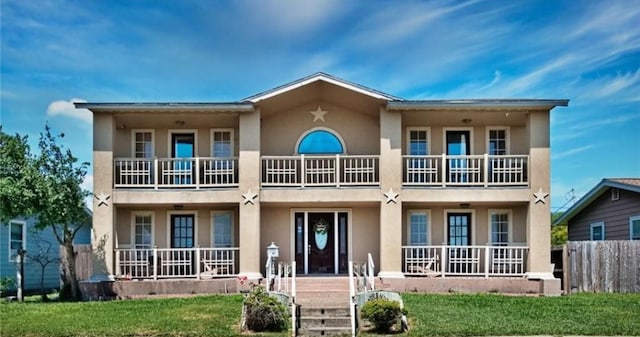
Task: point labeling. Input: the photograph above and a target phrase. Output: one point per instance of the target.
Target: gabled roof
(629, 184)
(320, 76)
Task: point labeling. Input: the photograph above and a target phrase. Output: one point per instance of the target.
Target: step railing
(487, 261)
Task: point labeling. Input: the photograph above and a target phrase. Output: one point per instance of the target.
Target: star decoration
(540, 196)
(249, 197)
(318, 114)
(102, 199)
(391, 196)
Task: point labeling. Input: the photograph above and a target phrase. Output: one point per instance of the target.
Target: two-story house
(330, 171)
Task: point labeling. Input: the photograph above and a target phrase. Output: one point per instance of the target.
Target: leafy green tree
(46, 185)
(559, 232)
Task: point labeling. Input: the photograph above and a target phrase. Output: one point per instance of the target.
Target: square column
(539, 217)
(249, 185)
(102, 238)
(391, 202)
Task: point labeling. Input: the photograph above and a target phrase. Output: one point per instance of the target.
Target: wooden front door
(321, 242)
(321, 245)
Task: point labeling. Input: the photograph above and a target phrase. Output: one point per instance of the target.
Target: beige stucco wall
(281, 130)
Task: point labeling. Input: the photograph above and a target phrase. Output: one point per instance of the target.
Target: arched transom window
(320, 141)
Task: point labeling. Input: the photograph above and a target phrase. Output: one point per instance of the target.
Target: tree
(46, 185)
(43, 258)
(559, 232)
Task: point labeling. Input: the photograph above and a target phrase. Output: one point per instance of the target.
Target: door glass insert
(459, 229)
(183, 147)
(458, 144)
(182, 231)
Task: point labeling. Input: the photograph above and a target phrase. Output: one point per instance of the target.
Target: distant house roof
(629, 184)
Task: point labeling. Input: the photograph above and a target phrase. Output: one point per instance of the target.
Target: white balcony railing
(464, 260)
(476, 170)
(302, 171)
(155, 263)
(198, 172)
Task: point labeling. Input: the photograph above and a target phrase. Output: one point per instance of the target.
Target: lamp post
(273, 252)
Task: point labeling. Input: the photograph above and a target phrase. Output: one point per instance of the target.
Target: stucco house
(609, 211)
(21, 232)
(330, 171)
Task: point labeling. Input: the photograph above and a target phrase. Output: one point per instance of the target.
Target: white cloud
(572, 152)
(87, 184)
(66, 108)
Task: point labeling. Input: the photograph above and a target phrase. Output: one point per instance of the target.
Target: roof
(320, 76)
(629, 184)
(167, 106)
(465, 103)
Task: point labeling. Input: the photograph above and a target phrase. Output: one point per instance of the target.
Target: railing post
(198, 262)
(156, 172)
(443, 259)
(443, 170)
(197, 173)
(337, 170)
(303, 170)
(486, 170)
(486, 261)
(117, 262)
(155, 262)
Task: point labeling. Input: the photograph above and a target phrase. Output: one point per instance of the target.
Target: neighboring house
(330, 171)
(21, 232)
(609, 211)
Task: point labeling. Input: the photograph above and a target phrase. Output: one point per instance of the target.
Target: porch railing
(477, 170)
(155, 263)
(464, 260)
(157, 173)
(302, 171)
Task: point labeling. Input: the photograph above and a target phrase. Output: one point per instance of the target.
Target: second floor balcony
(323, 171)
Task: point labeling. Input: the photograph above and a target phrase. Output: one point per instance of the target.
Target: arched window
(320, 141)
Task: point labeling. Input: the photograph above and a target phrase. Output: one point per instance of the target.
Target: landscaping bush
(264, 312)
(382, 313)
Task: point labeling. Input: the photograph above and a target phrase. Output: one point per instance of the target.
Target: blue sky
(54, 52)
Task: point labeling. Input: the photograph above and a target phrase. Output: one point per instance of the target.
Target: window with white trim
(143, 143)
(143, 230)
(499, 225)
(222, 143)
(497, 142)
(418, 142)
(634, 227)
(17, 238)
(597, 231)
(222, 229)
(615, 194)
(418, 228)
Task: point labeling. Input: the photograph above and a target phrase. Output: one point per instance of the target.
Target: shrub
(382, 313)
(5, 284)
(264, 312)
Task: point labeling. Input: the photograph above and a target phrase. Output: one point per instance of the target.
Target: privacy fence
(84, 263)
(602, 266)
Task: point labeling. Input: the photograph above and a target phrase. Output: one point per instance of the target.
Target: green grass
(429, 315)
(492, 315)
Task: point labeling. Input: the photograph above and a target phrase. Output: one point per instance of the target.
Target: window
(418, 228)
(615, 194)
(222, 143)
(418, 141)
(634, 227)
(497, 141)
(143, 230)
(143, 143)
(320, 141)
(222, 229)
(499, 222)
(597, 231)
(17, 238)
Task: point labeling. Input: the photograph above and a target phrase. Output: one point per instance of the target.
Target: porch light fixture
(466, 121)
(464, 205)
(178, 206)
(181, 123)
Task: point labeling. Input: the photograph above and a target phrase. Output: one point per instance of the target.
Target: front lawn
(429, 315)
(498, 315)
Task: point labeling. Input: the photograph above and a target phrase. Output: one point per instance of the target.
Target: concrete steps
(324, 306)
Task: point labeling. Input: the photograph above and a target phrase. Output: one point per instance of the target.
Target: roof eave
(204, 107)
(476, 103)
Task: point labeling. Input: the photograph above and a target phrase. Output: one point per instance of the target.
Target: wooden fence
(84, 262)
(602, 266)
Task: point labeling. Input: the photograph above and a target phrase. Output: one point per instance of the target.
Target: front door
(182, 236)
(183, 146)
(461, 259)
(321, 242)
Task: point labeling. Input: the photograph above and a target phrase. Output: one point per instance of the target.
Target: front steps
(324, 306)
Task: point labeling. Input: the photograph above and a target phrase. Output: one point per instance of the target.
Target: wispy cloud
(571, 152)
(66, 108)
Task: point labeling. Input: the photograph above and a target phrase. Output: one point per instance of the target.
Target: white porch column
(102, 239)
(539, 217)
(249, 185)
(390, 186)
